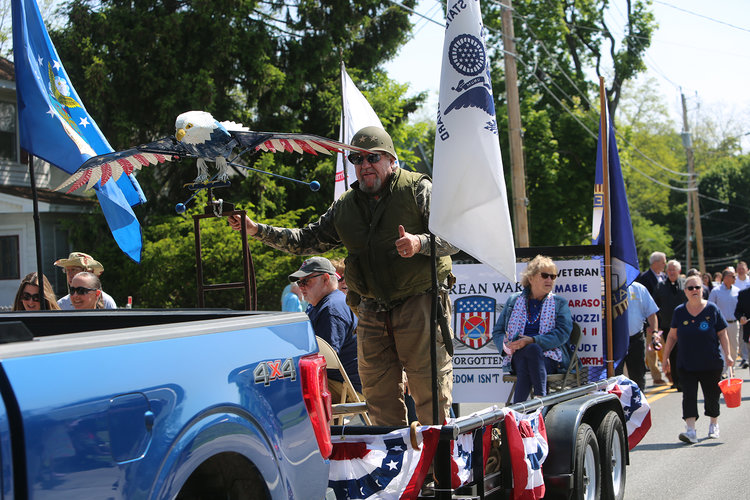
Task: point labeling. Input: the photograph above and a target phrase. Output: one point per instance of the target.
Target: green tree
(557, 44)
(270, 65)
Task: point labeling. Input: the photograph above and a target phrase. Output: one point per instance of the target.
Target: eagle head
(195, 127)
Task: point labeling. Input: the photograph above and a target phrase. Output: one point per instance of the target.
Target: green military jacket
(368, 228)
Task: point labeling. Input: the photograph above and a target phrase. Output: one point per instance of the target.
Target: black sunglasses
(691, 288)
(548, 275)
(28, 296)
(306, 281)
(357, 158)
(81, 290)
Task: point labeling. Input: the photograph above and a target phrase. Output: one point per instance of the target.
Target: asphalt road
(662, 466)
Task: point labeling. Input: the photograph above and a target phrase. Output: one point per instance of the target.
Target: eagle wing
(112, 165)
(275, 142)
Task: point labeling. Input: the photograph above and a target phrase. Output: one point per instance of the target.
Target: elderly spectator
(725, 297)
(669, 294)
(79, 262)
(641, 308)
(86, 291)
(698, 327)
(655, 273)
(28, 298)
(383, 223)
(332, 320)
(533, 329)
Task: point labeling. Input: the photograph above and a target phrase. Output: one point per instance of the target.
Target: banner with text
(479, 296)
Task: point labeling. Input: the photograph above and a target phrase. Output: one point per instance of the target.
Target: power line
(703, 16)
(559, 101)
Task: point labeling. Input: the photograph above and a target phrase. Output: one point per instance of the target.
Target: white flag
(469, 203)
(357, 114)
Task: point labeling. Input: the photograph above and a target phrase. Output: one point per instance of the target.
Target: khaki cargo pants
(391, 344)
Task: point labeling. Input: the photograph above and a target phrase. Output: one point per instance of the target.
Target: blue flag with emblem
(55, 126)
(623, 251)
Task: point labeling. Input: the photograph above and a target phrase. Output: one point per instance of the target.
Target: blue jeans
(531, 367)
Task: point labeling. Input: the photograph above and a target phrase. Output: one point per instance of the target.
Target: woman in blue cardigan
(533, 329)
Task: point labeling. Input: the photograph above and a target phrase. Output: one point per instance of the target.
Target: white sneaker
(689, 436)
(713, 431)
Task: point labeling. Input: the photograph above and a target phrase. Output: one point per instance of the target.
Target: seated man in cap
(332, 320)
(78, 262)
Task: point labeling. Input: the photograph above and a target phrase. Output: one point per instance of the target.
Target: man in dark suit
(649, 279)
(655, 273)
(742, 313)
(669, 294)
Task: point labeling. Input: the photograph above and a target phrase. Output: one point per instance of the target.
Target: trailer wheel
(611, 437)
(586, 474)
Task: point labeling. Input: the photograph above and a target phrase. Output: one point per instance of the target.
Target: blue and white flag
(356, 114)
(635, 407)
(624, 255)
(528, 449)
(469, 206)
(387, 466)
(55, 126)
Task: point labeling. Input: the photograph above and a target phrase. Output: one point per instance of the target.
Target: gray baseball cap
(313, 265)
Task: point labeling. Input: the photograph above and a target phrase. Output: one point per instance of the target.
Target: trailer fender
(561, 422)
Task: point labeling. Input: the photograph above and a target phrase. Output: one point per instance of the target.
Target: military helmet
(374, 139)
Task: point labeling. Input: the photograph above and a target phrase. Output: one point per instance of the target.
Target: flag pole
(603, 127)
(37, 234)
(436, 420)
(343, 122)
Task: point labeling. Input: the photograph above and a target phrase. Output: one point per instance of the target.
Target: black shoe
(744, 364)
(677, 388)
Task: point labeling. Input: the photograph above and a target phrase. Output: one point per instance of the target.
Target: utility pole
(518, 172)
(687, 143)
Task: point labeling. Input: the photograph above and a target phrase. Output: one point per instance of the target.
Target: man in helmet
(382, 221)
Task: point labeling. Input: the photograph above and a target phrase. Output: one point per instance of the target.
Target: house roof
(7, 70)
(48, 196)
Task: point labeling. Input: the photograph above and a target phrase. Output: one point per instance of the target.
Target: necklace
(529, 319)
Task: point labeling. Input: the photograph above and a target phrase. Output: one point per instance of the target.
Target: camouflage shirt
(321, 235)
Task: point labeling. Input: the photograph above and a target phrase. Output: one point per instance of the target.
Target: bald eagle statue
(198, 135)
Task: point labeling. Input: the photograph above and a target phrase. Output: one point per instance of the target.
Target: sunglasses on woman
(27, 296)
(357, 158)
(553, 277)
(691, 288)
(81, 290)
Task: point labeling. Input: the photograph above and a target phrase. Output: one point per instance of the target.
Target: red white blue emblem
(473, 321)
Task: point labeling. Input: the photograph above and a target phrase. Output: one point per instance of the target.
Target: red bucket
(731, 388)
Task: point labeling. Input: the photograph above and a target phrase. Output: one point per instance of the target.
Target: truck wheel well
(227, 475)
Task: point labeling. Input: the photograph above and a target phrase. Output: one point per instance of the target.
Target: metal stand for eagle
(219, 208)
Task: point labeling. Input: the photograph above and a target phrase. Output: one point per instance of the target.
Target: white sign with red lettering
(479, 296)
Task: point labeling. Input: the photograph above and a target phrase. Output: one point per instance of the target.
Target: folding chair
(348, 394)
(558, 381)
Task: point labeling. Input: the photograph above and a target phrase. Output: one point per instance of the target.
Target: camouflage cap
(374, 139)
(311, 266)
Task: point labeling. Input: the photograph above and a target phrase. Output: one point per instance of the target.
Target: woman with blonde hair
(533, 329)
(28, 298)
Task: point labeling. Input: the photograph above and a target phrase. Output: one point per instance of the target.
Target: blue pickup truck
(186, 404)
